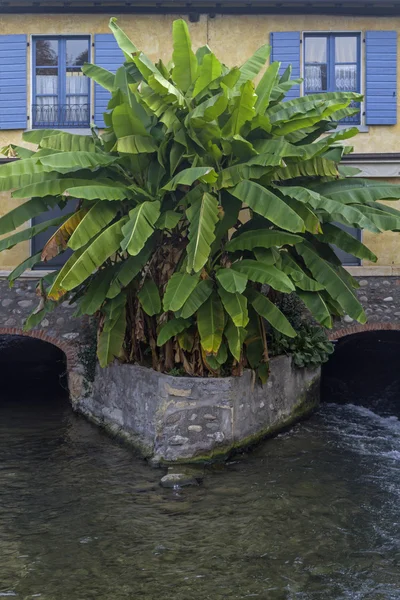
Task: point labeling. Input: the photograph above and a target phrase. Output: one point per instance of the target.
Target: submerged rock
(178, 479)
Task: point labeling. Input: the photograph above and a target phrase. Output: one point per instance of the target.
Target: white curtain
(345, 78)
(76, 111)
(313, 80)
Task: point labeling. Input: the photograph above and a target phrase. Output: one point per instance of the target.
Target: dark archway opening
(31, 369)
(365, 370)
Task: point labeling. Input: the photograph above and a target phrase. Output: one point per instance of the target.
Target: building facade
(352, 46)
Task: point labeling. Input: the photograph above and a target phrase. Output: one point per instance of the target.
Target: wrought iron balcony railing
(60, 115)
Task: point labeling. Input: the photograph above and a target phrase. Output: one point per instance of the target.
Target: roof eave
(342, 7)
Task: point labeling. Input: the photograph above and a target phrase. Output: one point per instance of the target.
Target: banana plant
(205, 197)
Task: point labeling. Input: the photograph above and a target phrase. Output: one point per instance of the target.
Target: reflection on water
(312, 514)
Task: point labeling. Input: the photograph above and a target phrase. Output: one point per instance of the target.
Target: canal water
(312, 514)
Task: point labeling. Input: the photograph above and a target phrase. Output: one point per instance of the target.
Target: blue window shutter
(109, 56)
(381, 78)
(13, 82)
(286, 49)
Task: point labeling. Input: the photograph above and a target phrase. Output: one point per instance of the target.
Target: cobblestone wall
(17, 303)
(380, 297)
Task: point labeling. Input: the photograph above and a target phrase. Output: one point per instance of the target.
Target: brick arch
(68, 349)
(353, 329)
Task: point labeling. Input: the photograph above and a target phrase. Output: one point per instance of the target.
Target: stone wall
(17, 303)
(182, 419)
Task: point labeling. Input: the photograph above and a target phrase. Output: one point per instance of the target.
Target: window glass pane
(46, 52)
(346, 49)
(77, 52)
(316, 49)
(346, 78)
(47, 81)
(77, 83)
(316, 79)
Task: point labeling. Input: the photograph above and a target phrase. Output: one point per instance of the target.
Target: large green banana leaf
(110, 341)
(136, 144)
(56, 290)
(126, 45)
(252, 67)
(198, 296)
(243, 110)
(28, 166)
(149, 298)
(323, 272)
(140, 226)
(189, 176)
(317, 307)
(96, 291)
(344, 213)
(184, 72)
(178, 290)
(264, 88)
(19, 215)
(235, 337)
(297, 275)
(69, 142)
(262, 273)
(271, 313)
(98, 217)
(54, 187)
(232, 281)
(334, 235)
(235, 305)
(127, 122)
(104, 246)
(99, 192)
(358, 191)
(170, 329)
(209, 70)
(19, 181)
(210, 323)
(66, 162)
(265, 203)
(202, 215)
(29, 233)
(127, 271)
(28, 263)
(101, 76)
(262, 238)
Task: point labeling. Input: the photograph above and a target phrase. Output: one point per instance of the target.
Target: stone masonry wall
(380, 297)
(181, 419)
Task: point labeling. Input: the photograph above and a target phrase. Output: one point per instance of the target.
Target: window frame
(330, 36)
(62, 87)
(360, 63)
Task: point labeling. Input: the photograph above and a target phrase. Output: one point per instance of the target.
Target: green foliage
(310, 347)
(161, 253)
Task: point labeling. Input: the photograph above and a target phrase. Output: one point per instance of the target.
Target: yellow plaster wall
(233, 39)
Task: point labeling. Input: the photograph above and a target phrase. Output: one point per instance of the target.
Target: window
(332, 64)
(60, 90)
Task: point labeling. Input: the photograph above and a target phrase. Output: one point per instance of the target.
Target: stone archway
(75, 369)
(365, 368)
(353, 329)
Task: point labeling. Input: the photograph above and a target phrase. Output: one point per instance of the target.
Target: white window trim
(362, 128)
